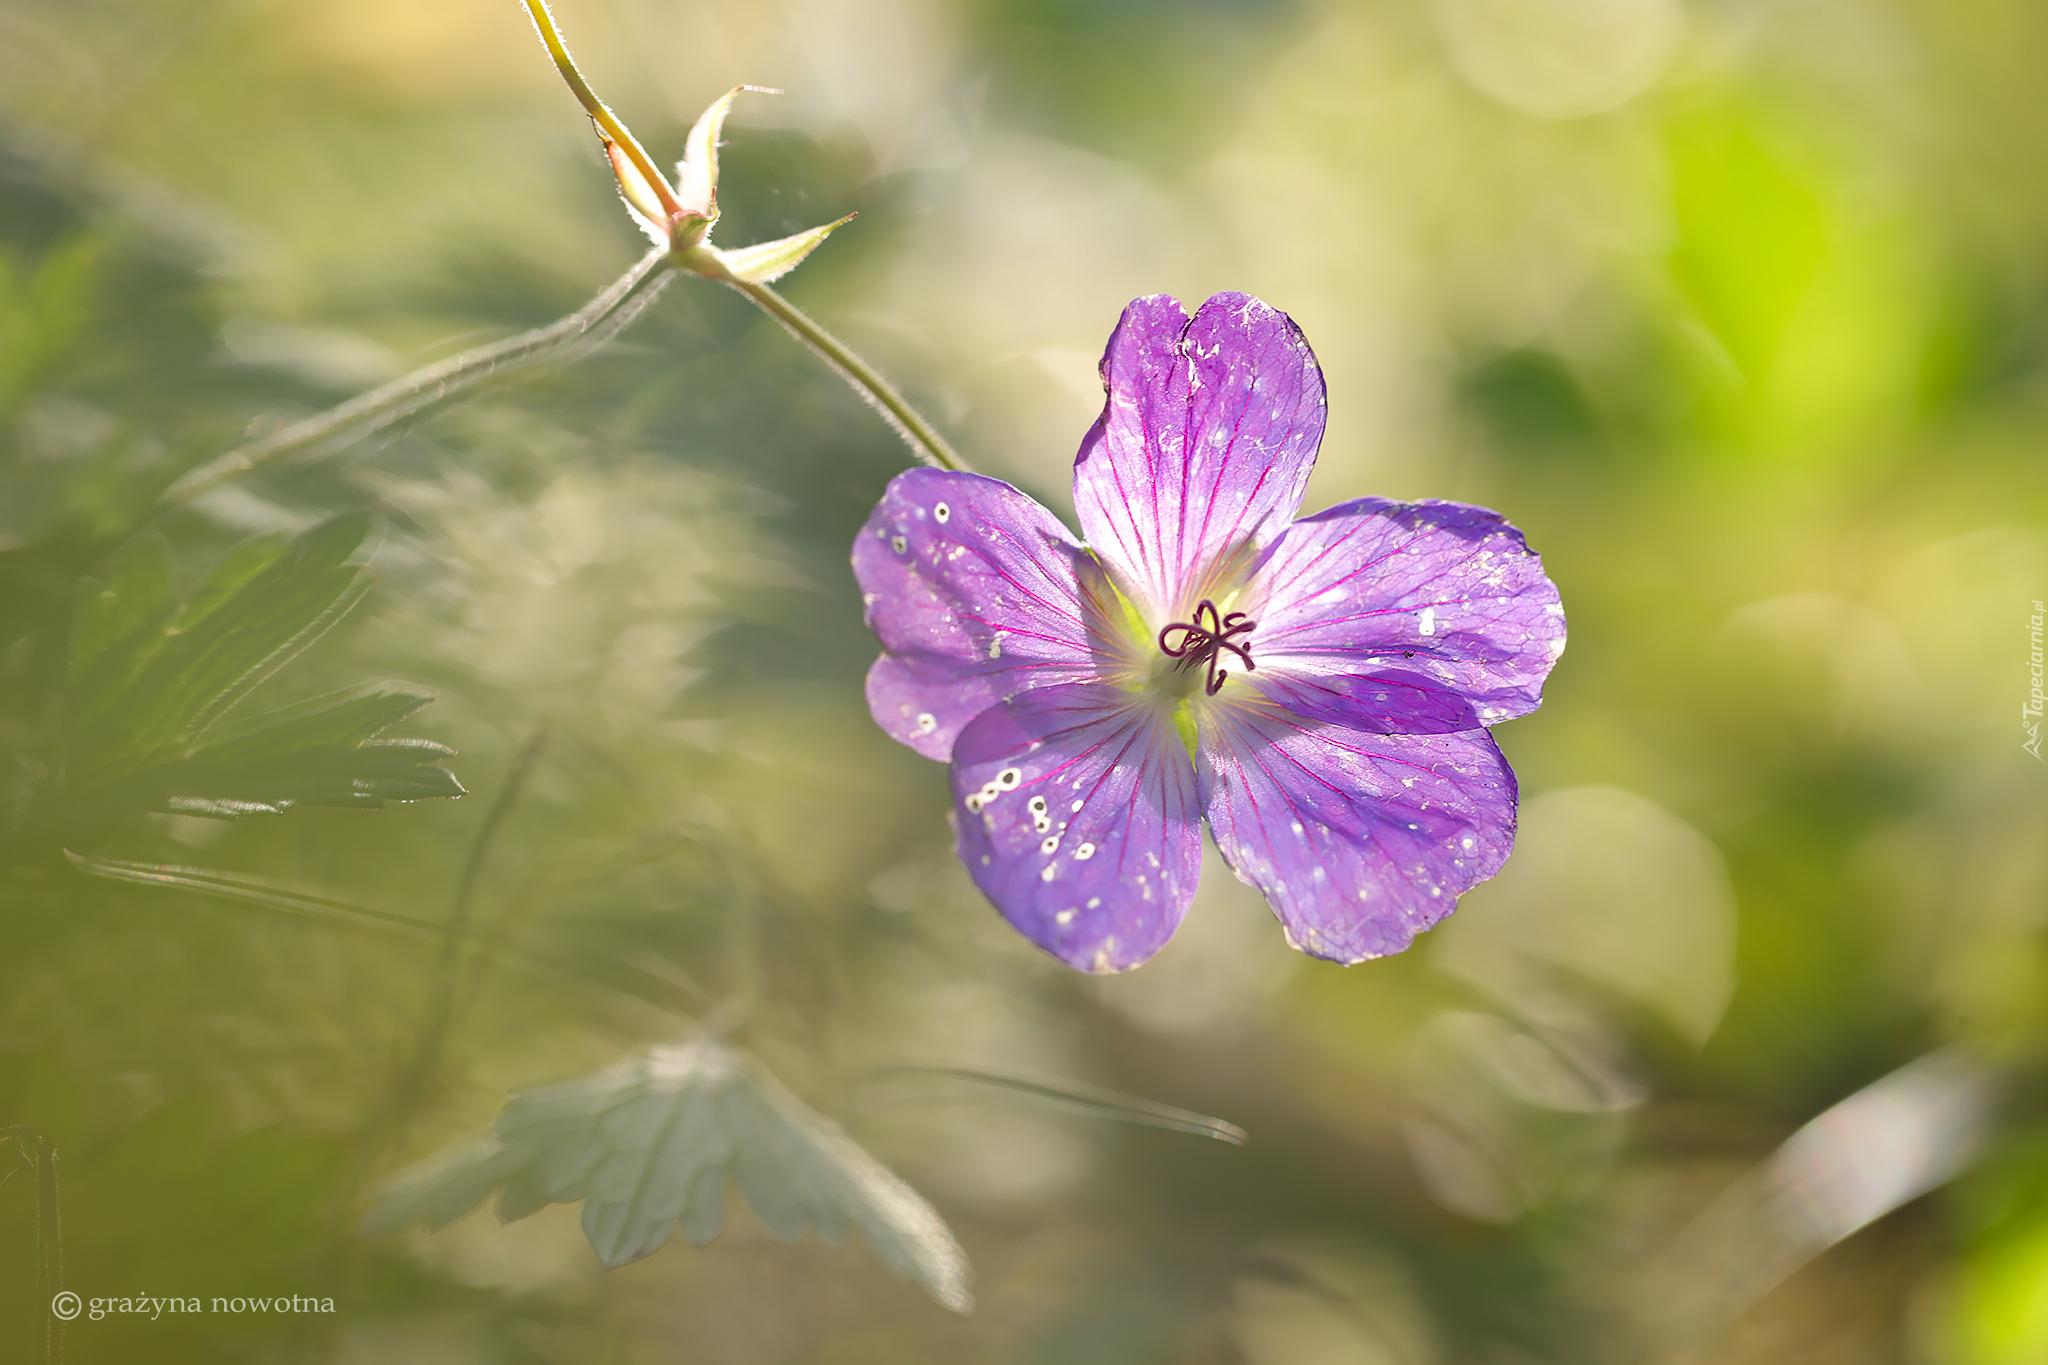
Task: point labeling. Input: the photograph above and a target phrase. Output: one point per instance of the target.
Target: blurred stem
(608, 125)
(661, 992)
(48, 1332)
(585, 329)
(742, 944)
(922, 437)
(1082, 1099)
(441, 987)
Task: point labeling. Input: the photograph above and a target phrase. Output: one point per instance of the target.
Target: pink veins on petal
(1319, 690)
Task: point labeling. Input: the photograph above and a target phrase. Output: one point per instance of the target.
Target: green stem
(583, 330)
(744, 978)
(442, 985)
(922, 437)
(663, 992)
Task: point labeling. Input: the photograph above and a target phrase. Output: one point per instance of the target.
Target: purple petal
(1394, 702)
(1409, 608)
(926, 704)
(1359, 841)
(1074, 811)
(977, 593)
(1208, 434)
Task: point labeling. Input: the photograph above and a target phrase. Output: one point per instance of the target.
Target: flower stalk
(582, 331)
(918, 433)
(679, 219)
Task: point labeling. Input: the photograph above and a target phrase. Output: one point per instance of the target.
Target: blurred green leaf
(43, 312)
(651, 1142)
(150, 684)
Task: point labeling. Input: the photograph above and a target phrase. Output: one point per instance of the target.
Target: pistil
(1203, 640)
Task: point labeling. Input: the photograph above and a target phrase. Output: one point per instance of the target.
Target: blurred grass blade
(1880, 1148)
(1080, 1099)
(558, 343)
(270, 895)
(652, 1142)
(304, 903)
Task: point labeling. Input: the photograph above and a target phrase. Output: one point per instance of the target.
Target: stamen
(1203, 640)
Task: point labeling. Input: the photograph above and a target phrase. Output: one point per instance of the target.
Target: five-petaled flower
(1319, 689)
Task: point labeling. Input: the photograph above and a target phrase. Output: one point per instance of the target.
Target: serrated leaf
(151, 687)
(349, 717)
(656, 1139)
(768, 261)
(261, 605)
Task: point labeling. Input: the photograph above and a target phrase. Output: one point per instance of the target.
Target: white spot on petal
(1050, 870)
(942, 513)
(898, 544)
(1008, 778)
(1427, 625)
(926, 722)
(1064, 917)
(1083, 852)
(1050, 846)
(995, 646)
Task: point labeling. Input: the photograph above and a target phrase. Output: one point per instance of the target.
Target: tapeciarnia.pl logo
(2030, 714)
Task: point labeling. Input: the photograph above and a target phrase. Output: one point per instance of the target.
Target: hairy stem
(569, 338)
(922, 437)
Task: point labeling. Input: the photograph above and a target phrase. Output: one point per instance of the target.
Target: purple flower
(1318, 689)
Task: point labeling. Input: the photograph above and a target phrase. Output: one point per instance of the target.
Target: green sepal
(772, 260)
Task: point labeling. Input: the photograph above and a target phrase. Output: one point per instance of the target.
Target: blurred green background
(1738, 308)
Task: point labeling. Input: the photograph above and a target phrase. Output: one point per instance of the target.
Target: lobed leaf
(652, 1142)
(151, 686)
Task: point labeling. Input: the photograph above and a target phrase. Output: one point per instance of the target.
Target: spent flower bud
(678, 216)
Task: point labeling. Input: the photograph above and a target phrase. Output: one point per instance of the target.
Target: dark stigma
(1203, 640)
